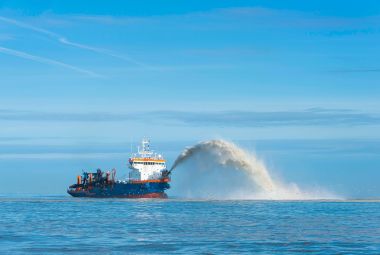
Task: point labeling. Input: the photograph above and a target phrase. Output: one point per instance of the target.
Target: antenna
(131, 144)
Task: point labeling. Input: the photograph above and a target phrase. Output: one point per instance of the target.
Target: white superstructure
(146, 165)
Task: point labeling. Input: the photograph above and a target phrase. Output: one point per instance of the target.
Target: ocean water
(65, 225)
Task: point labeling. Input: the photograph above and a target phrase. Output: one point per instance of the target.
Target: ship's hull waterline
(123, 190)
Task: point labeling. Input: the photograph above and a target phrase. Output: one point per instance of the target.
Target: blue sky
(201, 58)
(79, 72)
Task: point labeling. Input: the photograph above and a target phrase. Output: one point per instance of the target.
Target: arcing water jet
(222, 170)
(229, 155)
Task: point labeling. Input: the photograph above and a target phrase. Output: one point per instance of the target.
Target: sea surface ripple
(64, 225)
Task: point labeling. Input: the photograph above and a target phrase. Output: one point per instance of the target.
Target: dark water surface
(63, 225)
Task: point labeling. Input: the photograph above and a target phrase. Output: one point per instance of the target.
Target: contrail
(100, 50)
(64, 40)
(27, 26)
(48, 61)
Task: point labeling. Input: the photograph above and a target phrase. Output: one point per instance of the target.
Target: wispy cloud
(18, 115)
(287, 18)
(27, 26)
(364, 70)
(56, 156)
(232, 17)
(63, 40)
(6, 37)
(47, 61)
(307, 117)
(101, 51)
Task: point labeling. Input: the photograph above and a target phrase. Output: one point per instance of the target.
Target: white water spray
(254, 183)
(229, 155)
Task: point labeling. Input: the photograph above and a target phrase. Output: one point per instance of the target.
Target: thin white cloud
(6, 37)
(27, 26)
(47, 156)
(232, 17)
(66, 41)
(101, 51)
(47, 61)
(307, 117)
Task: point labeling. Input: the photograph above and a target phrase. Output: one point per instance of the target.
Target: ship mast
(145, 152)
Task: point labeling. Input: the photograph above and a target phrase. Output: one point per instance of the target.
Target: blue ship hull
(121, 190)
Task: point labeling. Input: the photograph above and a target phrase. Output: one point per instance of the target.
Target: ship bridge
(146, 165)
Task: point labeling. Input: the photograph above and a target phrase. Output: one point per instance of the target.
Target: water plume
(229, 155)
(222, 170)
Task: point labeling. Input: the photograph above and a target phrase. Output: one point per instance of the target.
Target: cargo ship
(148, 178)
